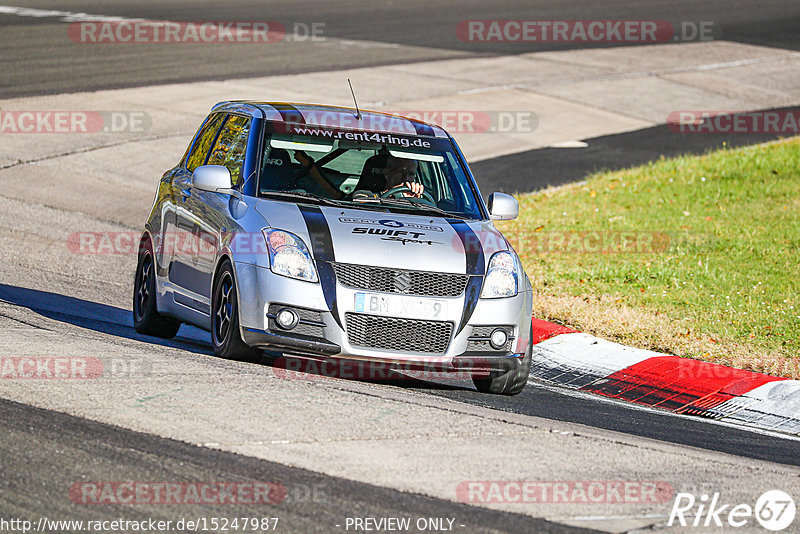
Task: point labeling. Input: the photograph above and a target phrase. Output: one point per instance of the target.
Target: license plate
(400, 306)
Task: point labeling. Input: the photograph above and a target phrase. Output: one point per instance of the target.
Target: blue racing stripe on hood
(476, 268)
(322, 250)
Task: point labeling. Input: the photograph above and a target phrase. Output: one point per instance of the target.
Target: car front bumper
(261, 292)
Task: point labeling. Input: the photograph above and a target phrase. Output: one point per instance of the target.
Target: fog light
(498, 338)
(287, 319)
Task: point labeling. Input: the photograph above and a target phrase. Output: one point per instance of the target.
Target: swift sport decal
(390, 223)
(402, 236)
(405, 240)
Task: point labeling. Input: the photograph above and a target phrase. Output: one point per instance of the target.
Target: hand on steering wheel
(398, 192)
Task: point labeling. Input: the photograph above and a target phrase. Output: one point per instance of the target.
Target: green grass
(724, 262)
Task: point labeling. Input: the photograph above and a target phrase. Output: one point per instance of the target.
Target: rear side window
(231, 145)
(203, 141)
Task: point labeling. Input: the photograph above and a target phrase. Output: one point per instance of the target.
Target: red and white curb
(587, 363)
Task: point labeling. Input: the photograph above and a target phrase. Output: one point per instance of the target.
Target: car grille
(400, 281)
(391, 333)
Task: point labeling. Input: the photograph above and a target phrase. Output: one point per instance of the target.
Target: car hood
(401, 241)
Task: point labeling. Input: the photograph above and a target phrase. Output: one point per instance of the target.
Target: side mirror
(502, 207)
(212, 178)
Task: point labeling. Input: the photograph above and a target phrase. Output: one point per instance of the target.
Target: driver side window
(203, 141)
(229, 150)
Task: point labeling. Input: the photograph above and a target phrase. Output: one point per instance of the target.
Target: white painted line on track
(70, 16)
(64, 16)
(570, 144)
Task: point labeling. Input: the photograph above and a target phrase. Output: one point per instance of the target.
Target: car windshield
(358, 168)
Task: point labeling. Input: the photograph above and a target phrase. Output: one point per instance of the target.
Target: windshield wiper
(406, 203)
(401, 203)
(305, 195)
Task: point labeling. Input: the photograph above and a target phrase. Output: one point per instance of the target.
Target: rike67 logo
(775, 510)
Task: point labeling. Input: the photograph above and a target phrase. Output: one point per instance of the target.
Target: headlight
(501, 278)
(289, 256)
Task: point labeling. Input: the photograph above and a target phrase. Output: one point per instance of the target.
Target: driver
(402, 171)
(398, 171)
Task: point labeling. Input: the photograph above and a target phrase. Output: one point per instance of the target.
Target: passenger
(316, 173)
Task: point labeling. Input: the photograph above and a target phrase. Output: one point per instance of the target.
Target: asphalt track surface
(303, 501)
(38, 57)
(537, 399)
(551, 403)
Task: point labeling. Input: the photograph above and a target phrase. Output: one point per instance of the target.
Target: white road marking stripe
(64, 16)
(69, 16)
(570, 144)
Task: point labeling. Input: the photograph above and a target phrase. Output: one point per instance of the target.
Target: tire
(146, 319)
(508, 382)
(225, 335)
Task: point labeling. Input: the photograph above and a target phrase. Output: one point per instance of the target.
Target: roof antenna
(358, 113)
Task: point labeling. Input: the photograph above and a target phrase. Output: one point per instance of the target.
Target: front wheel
(146, 319)
(225, 335)
(508, 382)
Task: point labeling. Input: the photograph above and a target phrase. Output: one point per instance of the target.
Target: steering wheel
(397, 192)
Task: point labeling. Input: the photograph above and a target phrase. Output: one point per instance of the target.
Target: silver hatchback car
(329, 232)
